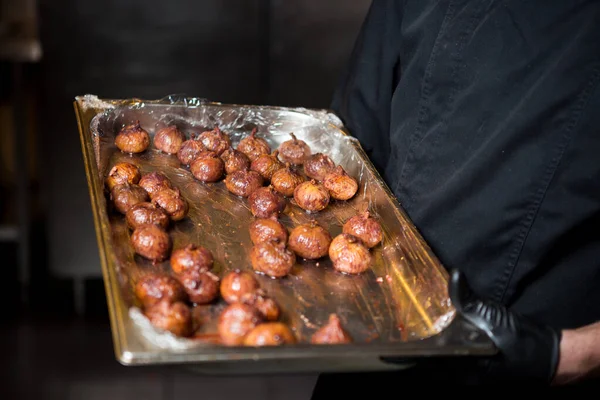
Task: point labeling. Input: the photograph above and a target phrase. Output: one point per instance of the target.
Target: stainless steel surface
(8, 233)
(400, 307)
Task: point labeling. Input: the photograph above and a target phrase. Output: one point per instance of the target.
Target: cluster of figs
(268, 180)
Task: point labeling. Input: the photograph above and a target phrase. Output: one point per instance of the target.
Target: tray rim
(465, 339)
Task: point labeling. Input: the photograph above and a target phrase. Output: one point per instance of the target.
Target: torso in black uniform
(484, 119)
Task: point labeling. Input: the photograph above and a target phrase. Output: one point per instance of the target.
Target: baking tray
(399, 308)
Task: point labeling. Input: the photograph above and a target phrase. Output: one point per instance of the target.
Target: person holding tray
(483, 117)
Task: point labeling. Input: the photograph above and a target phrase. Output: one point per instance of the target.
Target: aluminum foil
(402, 298)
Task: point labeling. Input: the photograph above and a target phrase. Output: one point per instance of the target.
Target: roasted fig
(153, 288)
(153, 182)
(123, 172)
(132, 139)
(341, 186)
(201, 287)
(171, 201)
(366, 228)
(172, 317)
(286, 180)
(208, 167)
(318, 166)
(234, 160)
(265, 305)
(265, 202)
(253, 146)
(294, 151)
(126, 196)
(243, 182)
(235, 322)
(191, 258)
(237, 284)
(146, 213)
(272, 258)
(151, 242)
(311, 196)
(331, 333)
(266, 165)
(349, 255)
(169, 139)
(190, 150)
(267, 229)
(216, 140)
(269, 334)
(310, 241)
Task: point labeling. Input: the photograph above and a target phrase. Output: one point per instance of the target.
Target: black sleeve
(362, 98)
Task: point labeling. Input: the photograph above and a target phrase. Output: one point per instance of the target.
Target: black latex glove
(528, 351)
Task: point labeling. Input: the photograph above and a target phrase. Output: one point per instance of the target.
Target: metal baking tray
(399, 308)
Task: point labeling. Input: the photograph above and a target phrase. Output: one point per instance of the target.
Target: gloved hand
(528, 352)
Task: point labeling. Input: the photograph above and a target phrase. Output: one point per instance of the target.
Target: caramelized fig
(270, 334)
(266, 165)
(126, 196)
(208, 167)
(366, 228)
(265, 305)
(267, 229)
(190, 150)
(191, 258)
(169, 139)
(171, 201)
(253, 146)
(235, 322)
(294, 151)
(132, 139)
(286, 180)
(151, 242)
(146, 213)
(236, 284)
(234, 160)
(272, 258)
(173, 317)
(349, 255)
(201, 287)
(341, 186)
(243, 182)
(318, 166)
(265, 202)
(153, 182)
(310, 241)
(153, 288)
(331, 333)
(123, 172)
(215, 140)
(311, 196)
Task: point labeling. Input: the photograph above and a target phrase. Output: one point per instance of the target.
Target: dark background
(55, 339)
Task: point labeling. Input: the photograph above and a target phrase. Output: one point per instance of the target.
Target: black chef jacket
(483, 117)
